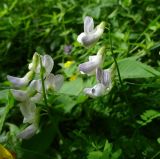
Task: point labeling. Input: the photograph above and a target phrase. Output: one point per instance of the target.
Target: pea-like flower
(54, 82)
(47, 64)
(20, 82)
(93, 63)
(90, 35)
(28, 132)
(104, 85)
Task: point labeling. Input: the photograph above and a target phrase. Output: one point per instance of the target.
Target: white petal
(36, 98)
(48, 64)
(89, 39)
(20, 82)
(80, 38)
(54, 82)
(88, 24)
(28, 110)
(90, 66)
(104, 77)
(20, 95)
(36, 85)
(96, 91)
(28, 132)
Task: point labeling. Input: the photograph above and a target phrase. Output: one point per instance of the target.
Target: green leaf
(38, 144)
(95, 155)
(6, 109)
(72, 87)
(65, 102)
(148, 116)
(130, 68)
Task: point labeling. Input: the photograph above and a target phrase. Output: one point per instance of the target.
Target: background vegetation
(121, 125)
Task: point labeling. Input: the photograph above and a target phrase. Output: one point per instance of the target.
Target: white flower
(28, 132)
(35, 85)
(20, 95)
(37, 98)
(28, 110)
(54, 82)
(20, 82)
(104, 77)
(93, 63)
(90, 35)
(47, 64)
(104, 85)
(96, 91)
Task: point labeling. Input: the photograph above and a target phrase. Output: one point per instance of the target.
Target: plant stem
(114, 58)
(43, 85)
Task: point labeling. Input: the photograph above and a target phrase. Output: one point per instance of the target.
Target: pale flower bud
(35, 61)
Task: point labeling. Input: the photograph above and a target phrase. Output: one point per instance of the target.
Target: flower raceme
(88, 38)
(30, 93)
(90, 35)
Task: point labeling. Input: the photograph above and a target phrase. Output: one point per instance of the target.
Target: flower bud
(35, 61)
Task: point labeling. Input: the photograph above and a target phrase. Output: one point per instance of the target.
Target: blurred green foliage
(122, 124)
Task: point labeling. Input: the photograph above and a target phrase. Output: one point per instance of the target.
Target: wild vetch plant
(93, 67)
(31, 89)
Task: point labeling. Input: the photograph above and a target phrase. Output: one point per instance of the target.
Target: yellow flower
(73, 77)
(4, 153)
(68, 64)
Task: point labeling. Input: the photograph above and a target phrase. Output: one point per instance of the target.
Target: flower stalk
(114, 58)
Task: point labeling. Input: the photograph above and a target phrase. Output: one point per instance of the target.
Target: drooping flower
(28, 132)
(28, 110)
(95, 91)
(20, 82)
(90, 35)
(104, 77)
(93, 63)
(20, 95)
(104, 85)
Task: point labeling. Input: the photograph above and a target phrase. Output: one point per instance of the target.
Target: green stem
(156, 155)
(43, 85)
(115, 61)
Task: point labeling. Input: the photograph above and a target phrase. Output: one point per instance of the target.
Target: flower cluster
(28, 90)
(88, 38)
